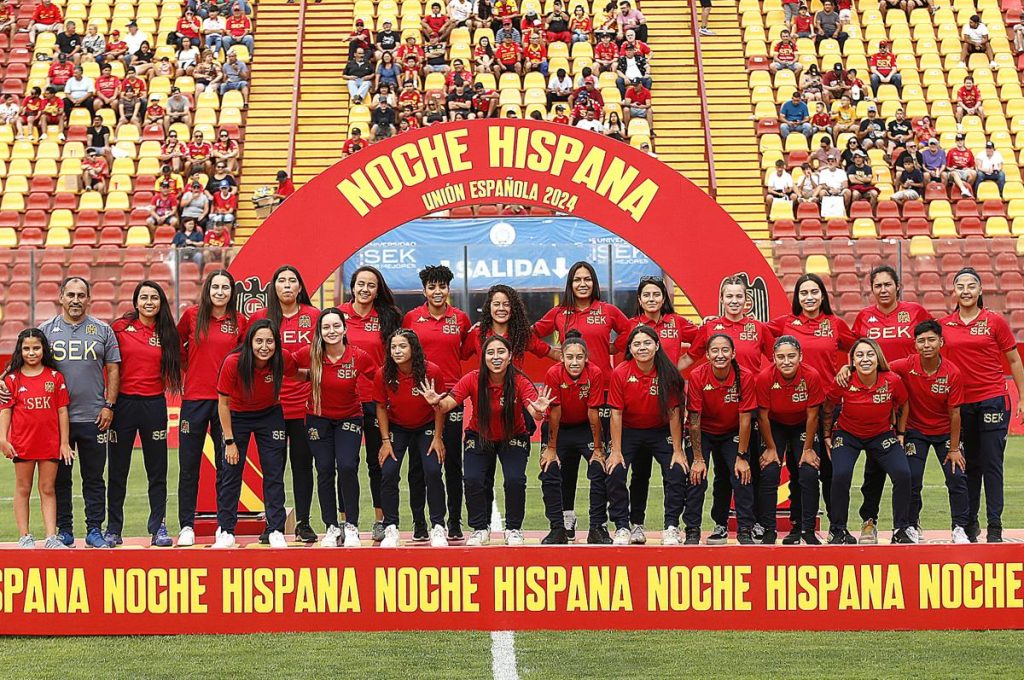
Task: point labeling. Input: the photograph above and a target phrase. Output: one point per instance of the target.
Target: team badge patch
(305, 321)
(903, 317)
(91, 329)
(183, 427)
(252, 295)
(49, 386)
(313, 434)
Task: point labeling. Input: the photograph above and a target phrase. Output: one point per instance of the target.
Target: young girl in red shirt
(34, 431)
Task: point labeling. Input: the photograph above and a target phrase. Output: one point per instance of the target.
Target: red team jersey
(46, 15)
(575, 395)
(785, 51)
(719, 403)
(673, 329)
(868, 411)
(341, 395)
(959, 158)
(968, 96)
(635, 393)
(930, 396)
(977, 349)
(296, 332)
(405, 404)
(787, 401)
(534, 345)
(606, 51)
(466, 388)
(753, 340)
(140, 358)
(202, 360)
(364, 332)
(262, 396)
(35, 424)
(507, 54)
(883, 63)
(108, 86)
(595, 324)
(442, 339)
(820, 339)
(894, 332)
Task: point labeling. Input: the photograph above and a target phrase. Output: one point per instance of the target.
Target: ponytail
(669, 381)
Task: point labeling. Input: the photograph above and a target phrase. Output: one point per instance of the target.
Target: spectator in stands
(285, 187)
(834, 84)
(459, 100)
(483, 14)
(179, 108)
(388, 40)
(134, 40)
(787, 56)
(194, 203)
(485, 101)
(535, 54)
(214, 29)
(9, 110)
(483, 55)
(960, 167)
(824, 151)
(359, 38)
(910, 186)
(225, 151)
(108, 89)
(910, 5)
(78, 92)
(156, 115)
(581, 26)
(1018, 38)
(117, 49)
(790, 8)
(834, 182)
(187, 57)
(779, 186)
(909, 150)
(968, 101)
(810, 84)
(95, 171)
(189, 27)
(808, 189)
(924, 129)
(97, 136)
(507, 28)
(458, 70)
(821, 121)
(354, 143)
(387, 71)
(885, 5)
(225, 205)
(434, 114)
(632, 67)
(206, 73)
(130, 107)
(975, 39)
(131, 79)
(590, 122)
(383, 121)
(60, 71)
(794, 117)
(898, 132)
(53, 114)
(46, 17)
(188, 241)
(436, 56)
(637, 103)
(507, 57)
(844, 116)
(606, 54)
(238, 31)
(142, 59)
(646, 146)
(828, 25)
(585, 98)
(990, 168)
(386, 93)
(640, 46)
(614, 127)
(172, 152)
(220, 175)
(803, 23)
(163, 209)
(174, 179)
(69, 43)
(871, 133)
(198, 156)
(435, 22)
(217, 238)
(560, 116)
(934, 161)
(556, 24)
(459, 13)
(531, 24)
(31, 111)
(883, 69)
(8, 21)
(559, 87)
(632, 18)
(235, 76)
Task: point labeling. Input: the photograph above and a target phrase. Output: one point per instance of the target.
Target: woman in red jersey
(721, 401)
(870, 404)
(208, 332)
(249, 405)
(890, 322)
(653, 308)
(292, 313)
(34, 431)
(789, 398)
(645, 394)
(407, 423)
(371, 316)
(496, 431)
(334, 422)
(977, 340)
(150, 366)
(503, 313)
(573, 431)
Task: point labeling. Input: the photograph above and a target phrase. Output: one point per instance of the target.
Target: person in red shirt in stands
(225, 205)
(155, 116)
(410, 49)
(535, 55)
(61, 71)
(46, 17)
(163, 208)
(8, 21)
(238, 30)
(225, 149)
(53, 114)
(581, 25)
(31, 111)
(882, 67)
(787, 57)
(189, 26)
(410, 96)
(132, 79)
(638, 103)
(116, 48)
(803, 23)
(95, 171)
(436, 22)
(560, 116)
(172, 152)
(485, 101)
(354, 143)
(960, 165)
(606, 54)
(507, 57)
(458, 69)
(640, 48)
(108, 89)
(285, 187)
(198, 158)
(968, 100)
(359, 38)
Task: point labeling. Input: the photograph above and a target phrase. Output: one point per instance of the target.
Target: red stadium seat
(951, 262)
(918, 226)
(993, 208)
(844, 264)
(115, 218)
(965, 207)
(103, 290)
(65, 201)
(101, 309)
(976, 244)
(811, 228)
(790, 264)
(934, 192)
(1005, 262)
(837, 228)
(1010, 281)
(38, 201)
(971, 226)
(31, 236)
(806, 211)
(462, 211)
(35, 218)
(860, 209)
(783, 229)
(887, 209)
(84, 236)
(947, 246)
(847, 283)
(979, 261)
(797, 158)
(1015, 300)
(42, 184)
(17, 312)
(891, 227)
(87, 218)
(112, 236)
(163, 235)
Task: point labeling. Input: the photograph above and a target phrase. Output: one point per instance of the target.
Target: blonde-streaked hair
(317, 351)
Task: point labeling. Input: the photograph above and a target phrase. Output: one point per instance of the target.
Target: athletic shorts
(705, 3)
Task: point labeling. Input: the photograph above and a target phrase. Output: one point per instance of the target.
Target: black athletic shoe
(841, 537)
(555, 537)
(377, 531)
(265, 537)
(570, 531)
(769, 537)
(810, 538)
(419, 532)
(599, 536)
(305, 533)
(692, 536)
(745, 537)
(994, 534)
(720, 535)
(973, 530)
(793, 537)
(758, 532)
(902, 537)
(455, 530)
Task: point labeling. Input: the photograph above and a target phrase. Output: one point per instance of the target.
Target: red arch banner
(570, 170)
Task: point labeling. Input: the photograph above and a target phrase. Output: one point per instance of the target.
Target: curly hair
(519, 329)
(419, 360)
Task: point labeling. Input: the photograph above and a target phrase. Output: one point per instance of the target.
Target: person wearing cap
(460, 101)
(898, 132)
(214, 28)
(779, 186)
(862, 180)
(834, 84)
(802, 21)
(225, 151)
(156, 114)
(630, 68)
(46, 17)
(69, 43)
(435, 22)
(238, 31)
(383, 121)
(637, 103)
(163, 209)
(387, 40)
(834, 181)
(990, 168)
(587, 98)
(30, 113)
(933, 161)
(960, 167)
(285, 187)
(134, 39)
(359, 37)
(968, 100)
(194, 203)
(507, 29)
(535, 54)
(975, 39)
(507, 57)
(189, 26)
(95, 171)
(606, 54)
(910, 186)
(53, 114)
(559, 87)
(556, 24)
(354, 143)
(235, 76)
(560, 116)
(60, 71)
(795, 117)
(436, 56)
(828, 25)
(225, 205)
(871, 131)
(116, 49)
(646, 148)
(883, 69)
(78, 92)
(485, 101)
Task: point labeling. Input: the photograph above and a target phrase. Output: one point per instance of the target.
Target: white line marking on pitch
(503, 642)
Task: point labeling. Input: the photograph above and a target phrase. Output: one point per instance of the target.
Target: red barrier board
(265, 590)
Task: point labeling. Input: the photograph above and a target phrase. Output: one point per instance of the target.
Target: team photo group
(345, 395)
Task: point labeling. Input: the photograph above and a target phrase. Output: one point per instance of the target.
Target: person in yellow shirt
(844, 115)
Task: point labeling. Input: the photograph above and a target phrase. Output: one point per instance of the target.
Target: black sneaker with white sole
(377, 531)
(973, 530)
(903, 537)
(420, 533)
(599, 536)
(994, 534)
(720, 535)
(304, 533)
(841, 537)
(555, 537)
(692, 536)
(810, 538)
(745, 537)
(455, 530)
(793, 537)
(769, 537)
(265, 537)
(758, 532)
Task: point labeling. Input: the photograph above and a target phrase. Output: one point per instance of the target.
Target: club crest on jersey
(49, 386)
(910, 448)
(313, 434)
(305, 321)
(183, 427)
(585, 390)
(91, 329)
(903, 317)
(824, 329)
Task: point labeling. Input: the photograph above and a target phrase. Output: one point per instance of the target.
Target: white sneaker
(513, 537)
(962, 64)
(670, 536)
(61, 137)
(352, 536)
(224, 540)
(638, 537)
(621, 537)
(186, 537)
(277, 540)
(438, 536)
(994, 65)
(960, 536)
(569, 520)
(391, 537)
(479, 537)
(42, 137)
(330, 539)
(914, 534)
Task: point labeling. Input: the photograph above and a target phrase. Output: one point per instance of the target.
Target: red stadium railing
(300, 33)
(705, 116)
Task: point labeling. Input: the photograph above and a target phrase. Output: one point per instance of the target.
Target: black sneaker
(902, 537)
(305, 533)
(745, 537)
(455, 530)
(720, 536)
(692, 536)
(973, 530)
(769, 537)
(419, 532)
(758, 532)
(810, 538)
(841, 537)
(555, 537)
(793, 537)
(570, 531)
(599, 536)
(994, 534)
(377, 531)
(265, 537)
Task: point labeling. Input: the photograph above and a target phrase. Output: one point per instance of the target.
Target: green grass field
(547, 655)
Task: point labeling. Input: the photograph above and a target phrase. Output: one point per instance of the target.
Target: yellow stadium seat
(922, 246)
(638, 126)
(123, 166)
(149, 149)
(487, 79)
(129, 132)
(508, 80)
(19, 166)
(535, 96)
(558, 49)
(8, 237)
(205, 116)
(70, 166)
(229, 116)
(460, 51)
(137, 236)
(61, 219)
(208, 99)
(510, 96)
(818, 264)
(864, 227)
(16, 184)
(944, 227)
(120, 183)
(11, 201)
(117, 200)
(183, 132)
(149, 166)
(582, 49)
(988, 190)
(186, 84)
(997, 226)
(781, 210)
(534, 79)
(58, 238)
(90, 200)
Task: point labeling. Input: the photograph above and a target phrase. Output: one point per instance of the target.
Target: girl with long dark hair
(503, 313)
(293, 315)
(407, 423)
(645, 395)
(496, 431)
(150, 367)
(248, 404)
(334, 422)
(208, 331)
(371, 317)
(34, 430)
